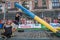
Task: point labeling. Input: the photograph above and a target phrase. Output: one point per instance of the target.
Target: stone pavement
(39, 35)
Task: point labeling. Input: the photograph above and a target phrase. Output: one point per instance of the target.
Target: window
(55, 4)
(9, 4)
(26, 4)
(43, 2)
(55, 0)
(36, 3)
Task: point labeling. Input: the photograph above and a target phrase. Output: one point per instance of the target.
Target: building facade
(44, 8)
(48, 4)
(35, 4)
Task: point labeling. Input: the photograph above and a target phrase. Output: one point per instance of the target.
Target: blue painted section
(25, 10)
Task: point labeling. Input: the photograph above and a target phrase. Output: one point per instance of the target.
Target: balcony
(43, 7)
(12, 10)
(56, 7)
(40, 8)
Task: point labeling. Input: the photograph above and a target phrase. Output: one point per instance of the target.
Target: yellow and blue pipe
(27, 12)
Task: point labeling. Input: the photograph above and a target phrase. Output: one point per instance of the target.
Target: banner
(55, 25)
(38, 25)
(25, 26)
(29, 26)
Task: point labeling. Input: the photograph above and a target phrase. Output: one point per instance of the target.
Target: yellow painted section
(58, 28)
(45, 24)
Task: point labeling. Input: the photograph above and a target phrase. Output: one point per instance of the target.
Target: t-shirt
(17, 18)
(8, 29)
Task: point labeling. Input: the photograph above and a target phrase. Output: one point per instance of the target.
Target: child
(8, 29)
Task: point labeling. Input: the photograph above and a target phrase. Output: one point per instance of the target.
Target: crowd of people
(10, 26)
(50, 20)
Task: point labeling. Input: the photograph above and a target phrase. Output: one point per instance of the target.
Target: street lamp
(4, 8)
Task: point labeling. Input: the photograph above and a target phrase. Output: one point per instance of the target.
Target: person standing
(17, 17)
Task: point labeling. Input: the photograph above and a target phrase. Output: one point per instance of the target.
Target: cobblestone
(33, 35)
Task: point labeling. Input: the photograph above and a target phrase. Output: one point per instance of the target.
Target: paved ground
(39, 35)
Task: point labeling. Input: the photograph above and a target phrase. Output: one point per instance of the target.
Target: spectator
(23, 20)
(4, 20)
(55, 21)
(0, 21)
(8, 29)
(17, 17)
(58, 20)
(48, 20)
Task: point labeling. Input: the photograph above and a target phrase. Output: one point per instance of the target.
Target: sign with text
(29, 26)
(37, 25)
(25, 25)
